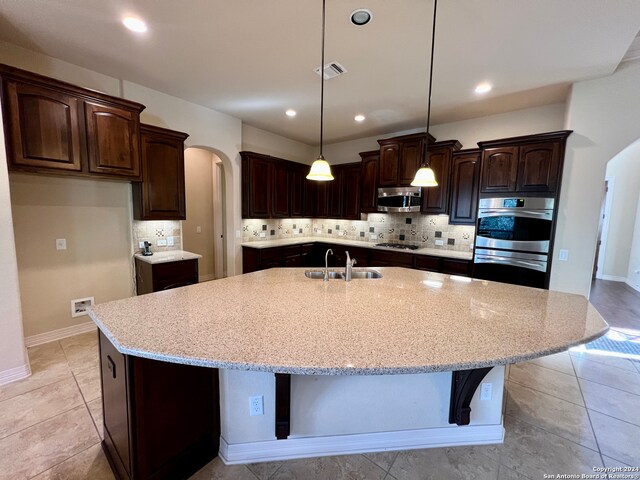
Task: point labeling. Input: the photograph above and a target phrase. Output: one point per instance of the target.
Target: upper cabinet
(530, 164)
(465, 180)
(400, 158)
(435, 200)
(55, 127)
(369, 181)
(161, 194)
(256, 185)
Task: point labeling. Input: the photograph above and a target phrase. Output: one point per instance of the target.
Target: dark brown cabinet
(155, 277)
(256, 185)
(530, 164)
(161, 194)
(280, 207)
(385, 258)
(161, 420)
(322, 199)
(369, 181)
(400, 158)
(351, 191)
(435, 200)
(465, 181)
(335, 193)
(55, 127)
(297, 190)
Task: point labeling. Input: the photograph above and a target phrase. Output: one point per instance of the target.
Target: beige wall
(604, 114)
(624, 169)
(13, 360)
(261, 141)
(94, 218)
(633, 274)
(198, 168)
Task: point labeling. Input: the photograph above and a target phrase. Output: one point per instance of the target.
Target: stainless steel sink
(365, 273)
(319, 274)
(336, 275)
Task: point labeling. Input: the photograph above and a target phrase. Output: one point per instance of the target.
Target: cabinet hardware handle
(111, 366)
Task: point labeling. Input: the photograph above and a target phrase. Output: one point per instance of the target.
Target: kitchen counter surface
(167, 256)
(409, 321)
(436, 252)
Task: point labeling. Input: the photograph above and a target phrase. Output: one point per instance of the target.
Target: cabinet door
(410, 159)
(297, 185)
(310, 197)
(43, 128)
(538, 167)
(388, 167)
(335, 194)
(163, 196)
(351, 192)
(259, 188)
(369, 182)
(435, 200)
(322, 204)
(465, 178)
(113, 140)
(499, 169)
(280, 207)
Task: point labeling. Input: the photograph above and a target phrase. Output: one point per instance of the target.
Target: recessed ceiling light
(483, 88)
(291, 113)
(361, 16)
(134, 24)
(359, 118)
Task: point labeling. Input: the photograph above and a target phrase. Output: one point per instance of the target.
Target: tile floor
(565, 413)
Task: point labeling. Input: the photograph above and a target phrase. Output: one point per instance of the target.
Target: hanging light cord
(433, 43)
(322, 81)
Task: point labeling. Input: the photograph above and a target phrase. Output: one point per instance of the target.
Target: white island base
(339, 415)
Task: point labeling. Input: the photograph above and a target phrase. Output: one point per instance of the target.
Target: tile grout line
(62, 461)
(551, 395)
(593, 430)
(591, 359)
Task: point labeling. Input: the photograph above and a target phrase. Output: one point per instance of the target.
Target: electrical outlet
(373, 236)
(61, 243)
(170, 241)
(198, 229)
(295, 232)
(256, 405)
(238, 235)
(263, 234)
(140, 244)
(79, 306)
(486, 391)
(439, 243)
(162, 242)
(564, 255)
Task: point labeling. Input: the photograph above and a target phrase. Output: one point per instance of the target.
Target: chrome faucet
(326, 265)
(348, 268)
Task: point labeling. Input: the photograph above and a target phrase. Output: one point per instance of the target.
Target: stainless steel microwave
(399, 199)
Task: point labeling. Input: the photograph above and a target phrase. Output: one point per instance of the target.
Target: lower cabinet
(154, 277)
(161, 419)
(384, 258)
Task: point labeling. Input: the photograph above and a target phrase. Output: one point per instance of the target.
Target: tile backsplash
(409, 228)
(152, 231)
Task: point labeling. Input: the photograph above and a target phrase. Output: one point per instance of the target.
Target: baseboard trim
(292, 448)
(635, 287)
(613, 278)
(13, 374)
(61, 333)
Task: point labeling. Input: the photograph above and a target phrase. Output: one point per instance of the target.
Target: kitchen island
(342, 367)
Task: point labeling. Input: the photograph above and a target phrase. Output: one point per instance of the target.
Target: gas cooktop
(398, 245)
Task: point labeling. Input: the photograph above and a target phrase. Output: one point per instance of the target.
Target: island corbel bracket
(283, 405)
(464, 384)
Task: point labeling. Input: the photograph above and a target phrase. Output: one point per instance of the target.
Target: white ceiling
(253, 59)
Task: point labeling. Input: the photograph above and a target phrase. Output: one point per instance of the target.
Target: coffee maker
(146, 251)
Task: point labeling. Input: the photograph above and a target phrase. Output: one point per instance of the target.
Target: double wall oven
(513, 239)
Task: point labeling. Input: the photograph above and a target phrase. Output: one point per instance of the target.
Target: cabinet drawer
(291, 250)
(456, 267)
(268, 253)
(424, 262)
(390, 259)
(175, 270)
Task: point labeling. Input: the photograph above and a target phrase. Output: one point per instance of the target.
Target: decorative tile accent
(408, 221)
(438, 234)
(451, 241)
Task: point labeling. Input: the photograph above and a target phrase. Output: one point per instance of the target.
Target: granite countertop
(167, 256)
(436, 252)
(409, 321)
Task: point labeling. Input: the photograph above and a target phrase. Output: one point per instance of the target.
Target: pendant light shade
(425, 177)
(320, 169)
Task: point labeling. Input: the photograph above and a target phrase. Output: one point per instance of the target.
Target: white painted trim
(605, 227)
(635, 287)
(613, 278)
(206, 278)
(14, 374)
(292, 447)
(54, 335)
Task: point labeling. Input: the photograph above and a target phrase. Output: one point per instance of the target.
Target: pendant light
(320, 169)
(425, 176)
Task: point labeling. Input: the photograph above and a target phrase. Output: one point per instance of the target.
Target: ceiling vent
(331, 70)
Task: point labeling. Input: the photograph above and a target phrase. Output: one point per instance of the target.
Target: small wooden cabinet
(369, 181)
(257, 181)
(435, 200)
(161, 194)
(161, 420)
(280, 197)
(465, 181)
(530, 164)
(53, 127)
(351, 191)
(400, 159)
(155, 277)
